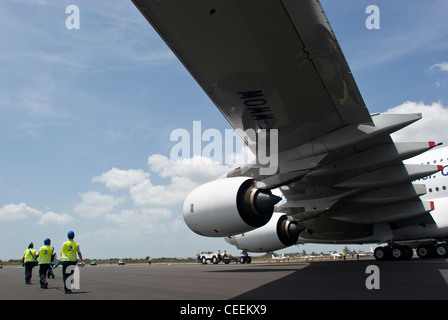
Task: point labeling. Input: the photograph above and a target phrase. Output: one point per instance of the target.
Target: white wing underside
(272, 64)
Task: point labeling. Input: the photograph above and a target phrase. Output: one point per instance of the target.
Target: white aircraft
(366, 253)
(277, 74)
(280, 257)
(335, 255)
(312, 257)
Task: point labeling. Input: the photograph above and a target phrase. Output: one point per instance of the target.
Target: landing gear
(245, 259)
(432, 251)
(426, 251)
(395, 252)
(441, 250)
(382, 253)
(400, 252)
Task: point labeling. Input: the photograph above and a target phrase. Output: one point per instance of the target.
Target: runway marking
(444, 274)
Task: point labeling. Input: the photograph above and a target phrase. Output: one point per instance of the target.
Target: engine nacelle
(228, 207)
(277, 234)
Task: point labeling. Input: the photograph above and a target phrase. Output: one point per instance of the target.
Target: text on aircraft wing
(265, 64)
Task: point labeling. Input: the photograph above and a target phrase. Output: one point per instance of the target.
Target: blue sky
(86, 117)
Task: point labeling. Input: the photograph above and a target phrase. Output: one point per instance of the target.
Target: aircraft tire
(401, 252)
(426, 251)
(382, 253)
(397, 253)
(441, 251)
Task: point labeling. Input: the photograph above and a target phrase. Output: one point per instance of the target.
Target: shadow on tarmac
(346, 280)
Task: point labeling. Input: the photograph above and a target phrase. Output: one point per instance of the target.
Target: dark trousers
(43, 269)
(65, 275)
(50, 272)
(28, 271)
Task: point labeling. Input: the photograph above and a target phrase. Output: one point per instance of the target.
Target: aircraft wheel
(425, 251)
(441, 251)
(242, 259)
(381, 253)
(397, 253)
(248, 259)
(402, 252)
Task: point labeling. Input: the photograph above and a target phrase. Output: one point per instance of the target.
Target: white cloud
(95, 204)
(140, 219)
(150, 208)
(147, 207)
(116, 179)
(441, 81)
(51, 217)
(146, 194)
(200, 169)
(13, 212)
(184, 176)
(432, 126)
(443, 66)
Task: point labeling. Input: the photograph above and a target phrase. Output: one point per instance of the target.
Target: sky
(87, 114)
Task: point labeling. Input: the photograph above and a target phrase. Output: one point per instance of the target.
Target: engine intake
(254, 205)
(227, 207)
(277, 234)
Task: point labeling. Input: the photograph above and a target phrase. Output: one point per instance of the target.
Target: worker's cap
(70, 235)
(47, 241)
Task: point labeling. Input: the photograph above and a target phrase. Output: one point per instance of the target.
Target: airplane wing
(276, 64)
(264, 64)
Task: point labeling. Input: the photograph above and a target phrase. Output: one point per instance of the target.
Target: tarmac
(415, 279)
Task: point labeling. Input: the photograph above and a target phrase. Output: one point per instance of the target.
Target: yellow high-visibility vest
(29, 255)
(68, 252)
(45, 254)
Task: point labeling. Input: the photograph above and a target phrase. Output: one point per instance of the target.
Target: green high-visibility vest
(68, 252)
(45, 254)
(29, 255)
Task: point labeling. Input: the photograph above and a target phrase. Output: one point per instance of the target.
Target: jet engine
(277, 234)
(228, 207)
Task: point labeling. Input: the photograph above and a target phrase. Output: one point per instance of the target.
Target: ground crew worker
(29, 261)
(68, 257)
(44, 258)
